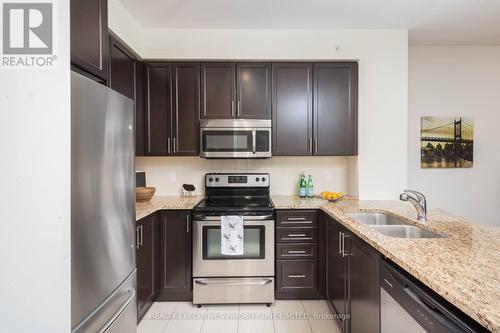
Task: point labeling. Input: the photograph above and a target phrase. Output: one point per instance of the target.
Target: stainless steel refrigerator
(103, 273)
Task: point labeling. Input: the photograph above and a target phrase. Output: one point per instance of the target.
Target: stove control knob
(257, 179)
(210, 179)
(263, 179)
(217, 179)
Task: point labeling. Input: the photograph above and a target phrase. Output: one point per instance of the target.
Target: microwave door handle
(254, 141)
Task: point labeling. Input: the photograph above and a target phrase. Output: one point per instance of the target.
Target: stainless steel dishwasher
(406, 306)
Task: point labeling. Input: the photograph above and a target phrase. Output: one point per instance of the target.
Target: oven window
(227, 141)
(253, 237)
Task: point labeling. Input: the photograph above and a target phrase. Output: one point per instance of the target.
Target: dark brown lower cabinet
(147, 250)
(364, 290)
(175, 256)
(298, 267)
(352, 280)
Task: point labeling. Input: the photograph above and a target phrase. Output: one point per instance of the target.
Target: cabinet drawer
(296, 251)
(296, 218)
(293, 275)
(299, 235)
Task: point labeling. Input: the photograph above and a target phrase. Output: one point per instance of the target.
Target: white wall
(124, 25)
(35, 196)
(328, 173)
(383, 69)
(458, 81)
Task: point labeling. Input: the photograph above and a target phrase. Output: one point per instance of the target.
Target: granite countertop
(464, 267)
(143, 209)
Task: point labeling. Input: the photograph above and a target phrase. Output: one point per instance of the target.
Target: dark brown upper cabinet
(335, 109)
(121, 68)
(218, 90)
(315, 109)
(140, 121)
(175, 256)
(172, 108)
(89, 37)
(186, 108)
(253, 90)
(292, 108)
(126, 76)
(158, 109)
(241, 90)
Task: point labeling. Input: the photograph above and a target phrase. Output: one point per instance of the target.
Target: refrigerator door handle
(130, 298)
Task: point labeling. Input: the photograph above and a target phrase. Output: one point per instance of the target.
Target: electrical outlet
(327, 177)
(172, 177)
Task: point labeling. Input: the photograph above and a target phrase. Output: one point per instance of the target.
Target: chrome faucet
(418, 200)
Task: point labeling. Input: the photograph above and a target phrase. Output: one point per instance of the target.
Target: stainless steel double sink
(392, 226)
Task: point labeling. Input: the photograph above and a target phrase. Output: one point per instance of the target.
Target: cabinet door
(336, 272)
(186, 108)
(175, 256)
(139, 109)
(292, 109)
(159, 109)
(89, 37)
(335, 109)
(121, 69)
(254, 91)
(147, 251)
(364, 288)
(218, 90)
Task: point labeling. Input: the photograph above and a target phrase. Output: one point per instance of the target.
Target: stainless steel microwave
(235, 138)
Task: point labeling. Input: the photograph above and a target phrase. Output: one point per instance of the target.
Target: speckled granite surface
(464, 267)
(143, 209)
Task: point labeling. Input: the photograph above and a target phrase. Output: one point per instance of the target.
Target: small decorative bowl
(143, 194)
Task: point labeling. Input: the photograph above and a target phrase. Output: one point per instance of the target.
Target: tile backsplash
(168, 174)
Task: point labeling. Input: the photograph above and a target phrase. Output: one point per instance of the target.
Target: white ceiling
(429, 21)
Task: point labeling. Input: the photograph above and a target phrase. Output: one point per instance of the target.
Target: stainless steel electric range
(246, 278)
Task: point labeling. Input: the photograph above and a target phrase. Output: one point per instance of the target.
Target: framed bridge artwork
(446, 142)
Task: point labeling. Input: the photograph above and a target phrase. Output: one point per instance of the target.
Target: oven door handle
(264, 218)
(233, 283)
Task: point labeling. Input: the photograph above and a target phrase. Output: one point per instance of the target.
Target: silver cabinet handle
(232, 108)
(168, 146)
(238, 109)
(296, 252)
(173, 145)
(316, 145)
(310, 145)
(390, 284)
(297, 219)
(340, 242)
(344, 254)
(142, 235)
(187, 223)
(137, 237)
(297, 276)
(297, 235)
(304, 222)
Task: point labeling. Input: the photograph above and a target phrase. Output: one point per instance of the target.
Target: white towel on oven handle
(231, 235)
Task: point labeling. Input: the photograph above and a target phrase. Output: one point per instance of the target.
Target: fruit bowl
(332, 196)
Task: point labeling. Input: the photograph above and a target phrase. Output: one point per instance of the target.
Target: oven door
(258, 257)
